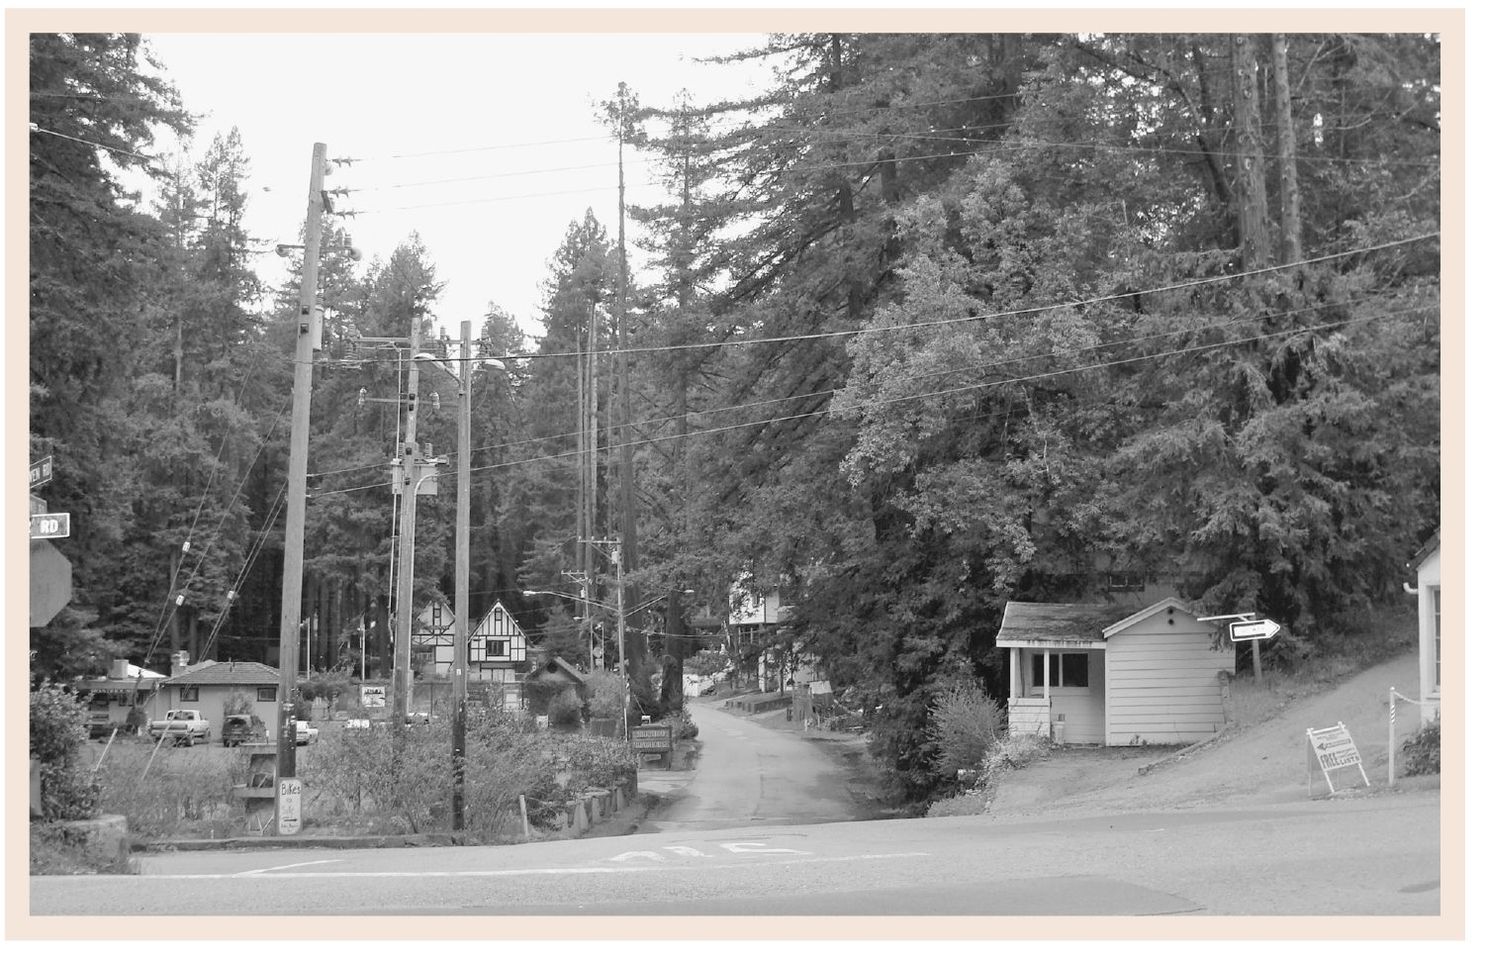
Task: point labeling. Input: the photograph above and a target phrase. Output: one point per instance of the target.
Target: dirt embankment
(1262, 761)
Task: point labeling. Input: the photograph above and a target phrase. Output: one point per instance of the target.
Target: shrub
(165, 792)
(963, 726)
(704, 663)
(59, 728)
(605, 695)
(597, 763)
(1011, 753)
(1421, 752)
(565, 710)
(681, 724)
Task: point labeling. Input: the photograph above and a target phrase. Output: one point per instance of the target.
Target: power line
(867, 404)
(1003, 315)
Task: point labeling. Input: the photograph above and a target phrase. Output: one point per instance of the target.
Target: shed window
(268, 694)
(1068, 669)
(190, 694)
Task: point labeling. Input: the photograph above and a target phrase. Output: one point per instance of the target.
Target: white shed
(1090, 673)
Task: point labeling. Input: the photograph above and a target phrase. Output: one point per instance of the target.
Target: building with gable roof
(1104, 674)
(209, 686)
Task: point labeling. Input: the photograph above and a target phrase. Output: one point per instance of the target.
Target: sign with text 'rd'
(51, 526)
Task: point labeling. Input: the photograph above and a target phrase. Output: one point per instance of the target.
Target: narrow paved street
(747, 774)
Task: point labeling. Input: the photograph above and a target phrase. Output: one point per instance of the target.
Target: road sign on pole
(1252, 630)
(51, 526)
(51, 582)
(41, 471)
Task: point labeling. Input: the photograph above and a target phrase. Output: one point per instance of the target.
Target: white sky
(383, 97)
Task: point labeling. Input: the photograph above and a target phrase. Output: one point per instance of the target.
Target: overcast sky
(507, 122)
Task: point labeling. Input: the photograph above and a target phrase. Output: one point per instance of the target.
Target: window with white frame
(1067, 669)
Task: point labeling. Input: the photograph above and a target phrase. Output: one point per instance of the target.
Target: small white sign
(288, 806)
(51, 526)
(373, 697)
(1252, 630)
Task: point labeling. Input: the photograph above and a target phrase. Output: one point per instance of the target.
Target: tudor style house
(497, 647)
(1100, 674)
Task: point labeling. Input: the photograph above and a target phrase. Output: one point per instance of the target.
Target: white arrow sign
(1252, 630)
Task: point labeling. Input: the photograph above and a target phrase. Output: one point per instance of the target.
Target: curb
(1183, 753)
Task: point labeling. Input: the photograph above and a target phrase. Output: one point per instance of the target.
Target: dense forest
(938, 322)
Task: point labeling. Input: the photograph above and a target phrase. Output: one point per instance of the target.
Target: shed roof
(1145, 614)
(238, 673)
(1056, 623)
(557, 664)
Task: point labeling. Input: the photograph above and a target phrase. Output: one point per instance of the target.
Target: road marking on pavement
(287, 866)
(516, 872)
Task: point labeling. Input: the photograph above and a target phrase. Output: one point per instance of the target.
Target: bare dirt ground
(1260, 759)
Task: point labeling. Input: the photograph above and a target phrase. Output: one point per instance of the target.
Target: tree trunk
(1289, 180)
(1253, 208)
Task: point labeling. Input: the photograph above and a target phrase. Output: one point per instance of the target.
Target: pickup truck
(183, 726)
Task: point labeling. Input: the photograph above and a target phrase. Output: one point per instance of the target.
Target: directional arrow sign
(1252, 630)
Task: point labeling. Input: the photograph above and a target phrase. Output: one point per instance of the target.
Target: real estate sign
(1334, 750)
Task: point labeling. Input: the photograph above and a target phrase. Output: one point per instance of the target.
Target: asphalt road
(748, 774)
(1373, 857)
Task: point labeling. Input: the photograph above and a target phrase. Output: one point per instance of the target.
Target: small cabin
(1099, 674)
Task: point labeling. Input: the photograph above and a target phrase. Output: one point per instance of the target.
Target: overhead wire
(867, 404)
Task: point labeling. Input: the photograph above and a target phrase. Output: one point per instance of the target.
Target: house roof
(1148, 612)
(1430, 546)
(238, 673)
(1054, 623)
(545, 661)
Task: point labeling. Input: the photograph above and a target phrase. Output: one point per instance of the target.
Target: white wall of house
(1430, 662)
(1163, 680)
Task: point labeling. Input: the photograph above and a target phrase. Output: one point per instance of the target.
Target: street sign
(51, 582)
(41, 471)
(288, 806)
(51, 526)
(1252, 630)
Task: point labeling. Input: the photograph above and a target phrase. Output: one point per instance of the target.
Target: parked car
(240, 728)
(183, 727)
(304, 734)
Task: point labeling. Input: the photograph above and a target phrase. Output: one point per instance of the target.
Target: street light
(463, 374)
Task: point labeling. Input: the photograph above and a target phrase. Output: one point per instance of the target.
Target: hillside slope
(1261, 763)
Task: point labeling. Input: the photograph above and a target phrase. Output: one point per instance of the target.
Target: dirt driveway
(1264, 762)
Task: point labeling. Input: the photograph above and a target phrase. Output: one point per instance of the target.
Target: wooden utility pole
(402, 676)
(299, 456)
(462, 573)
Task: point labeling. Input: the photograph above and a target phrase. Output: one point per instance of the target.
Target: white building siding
(1431, 664)
(1163, 682)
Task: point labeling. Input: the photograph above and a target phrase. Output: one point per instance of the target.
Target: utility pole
(299, 456)
(462, 573)
(402, 676)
